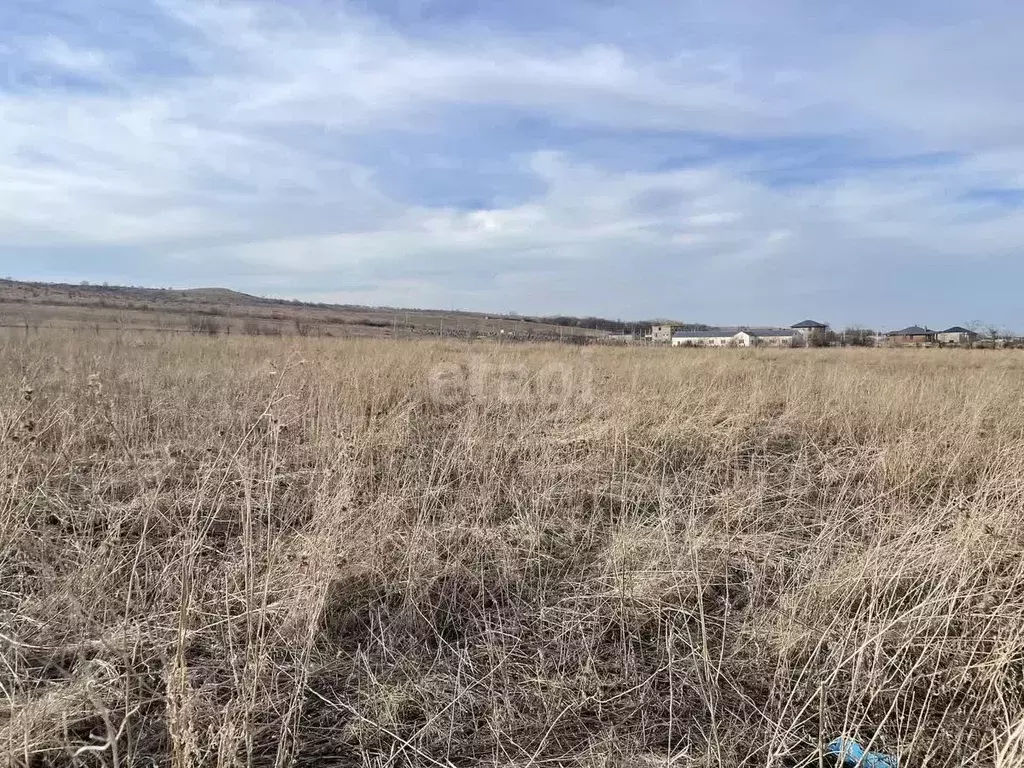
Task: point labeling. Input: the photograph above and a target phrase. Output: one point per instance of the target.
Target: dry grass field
(273, 551)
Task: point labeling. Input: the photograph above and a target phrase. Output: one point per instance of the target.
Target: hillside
(224, 311)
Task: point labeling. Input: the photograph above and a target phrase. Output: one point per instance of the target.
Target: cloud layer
(715, 162)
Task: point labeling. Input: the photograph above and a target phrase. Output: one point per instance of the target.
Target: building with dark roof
(810, 325)
(956, 335)
(913, 334)
(810, 328)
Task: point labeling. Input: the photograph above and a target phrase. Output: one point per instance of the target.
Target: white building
(717, 338)
(772, 338)
(727, 338)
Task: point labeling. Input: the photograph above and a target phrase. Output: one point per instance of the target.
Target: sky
(717, 161)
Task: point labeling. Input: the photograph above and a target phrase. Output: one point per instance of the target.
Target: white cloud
(256, 146)
(55, 53)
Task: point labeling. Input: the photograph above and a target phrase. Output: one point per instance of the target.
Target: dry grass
(253, 551)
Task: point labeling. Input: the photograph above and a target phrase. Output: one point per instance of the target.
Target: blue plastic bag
(852, 755)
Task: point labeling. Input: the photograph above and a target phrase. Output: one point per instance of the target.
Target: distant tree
(988, 333)
(979, 329)
(818, 338)
(858, 337)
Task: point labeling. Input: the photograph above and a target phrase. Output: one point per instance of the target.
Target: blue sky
(723, 161)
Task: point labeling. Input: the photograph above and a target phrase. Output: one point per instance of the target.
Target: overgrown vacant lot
(251, 551)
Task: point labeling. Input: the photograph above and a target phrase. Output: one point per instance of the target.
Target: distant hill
(221, 310)
(224, 295)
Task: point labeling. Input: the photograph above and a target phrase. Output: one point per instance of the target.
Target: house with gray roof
(810, 328)
(957, 335)
(912, 335)
(810, 325)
